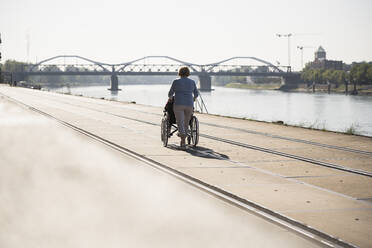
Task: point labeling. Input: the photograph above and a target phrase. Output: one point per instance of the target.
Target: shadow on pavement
(200, 151)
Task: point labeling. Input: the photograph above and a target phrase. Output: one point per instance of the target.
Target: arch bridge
(168, 66)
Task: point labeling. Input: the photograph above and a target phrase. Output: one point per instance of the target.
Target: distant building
(321, 61)
(320, 54)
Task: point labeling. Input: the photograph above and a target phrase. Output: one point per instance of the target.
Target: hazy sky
(194, 30)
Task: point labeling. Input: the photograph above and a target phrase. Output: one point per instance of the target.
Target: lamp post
(289, 46)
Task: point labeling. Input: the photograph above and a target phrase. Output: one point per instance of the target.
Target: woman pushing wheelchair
(185, 93)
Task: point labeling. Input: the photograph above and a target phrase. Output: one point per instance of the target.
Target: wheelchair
(169, 126)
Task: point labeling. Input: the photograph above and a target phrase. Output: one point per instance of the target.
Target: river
(321, 111)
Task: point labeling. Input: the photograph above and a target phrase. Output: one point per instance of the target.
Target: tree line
(11, 66)
(360, 73)
(71, 80)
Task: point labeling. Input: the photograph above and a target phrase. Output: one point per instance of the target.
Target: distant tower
(320, 54)
(321, 62)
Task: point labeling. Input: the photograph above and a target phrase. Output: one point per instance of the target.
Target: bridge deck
(337, 202)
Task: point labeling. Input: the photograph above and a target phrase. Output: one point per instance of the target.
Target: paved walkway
(333, 201)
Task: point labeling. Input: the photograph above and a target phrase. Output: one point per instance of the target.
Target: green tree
(308, 75)
(327, 76)
(369, 74)
(318, 77)
(358, 73)
(14, 66)
(340, 77)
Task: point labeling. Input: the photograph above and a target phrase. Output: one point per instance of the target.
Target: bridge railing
(243, 68)
(150, 68)
(64, 68)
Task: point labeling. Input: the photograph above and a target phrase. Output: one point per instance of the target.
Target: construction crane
(289, 45)
(302, 54)
(288, 36)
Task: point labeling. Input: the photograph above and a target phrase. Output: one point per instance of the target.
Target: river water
(321, 111)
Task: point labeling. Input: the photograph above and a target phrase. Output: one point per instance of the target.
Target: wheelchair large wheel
(164, 130)
(194, 131)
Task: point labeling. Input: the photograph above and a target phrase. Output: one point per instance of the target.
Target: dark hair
(184, 72)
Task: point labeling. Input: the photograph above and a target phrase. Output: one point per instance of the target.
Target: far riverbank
(362, 90)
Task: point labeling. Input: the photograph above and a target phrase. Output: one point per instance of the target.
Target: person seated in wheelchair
(184, 93)
(169, 109)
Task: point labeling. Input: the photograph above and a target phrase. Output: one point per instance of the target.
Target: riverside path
(315, 187)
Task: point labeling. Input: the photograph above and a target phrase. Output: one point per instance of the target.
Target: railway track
(290, 224)
(317, 144)
(257, 148)
(262, 149)
(340, 148)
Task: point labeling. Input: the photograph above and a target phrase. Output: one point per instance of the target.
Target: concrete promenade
(333, 201)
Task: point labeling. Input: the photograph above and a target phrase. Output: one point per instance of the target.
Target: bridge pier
(18, 76)
(205, 82)
(291, 81)
(114, 85)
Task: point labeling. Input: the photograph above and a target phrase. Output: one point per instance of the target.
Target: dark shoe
(183, 143)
